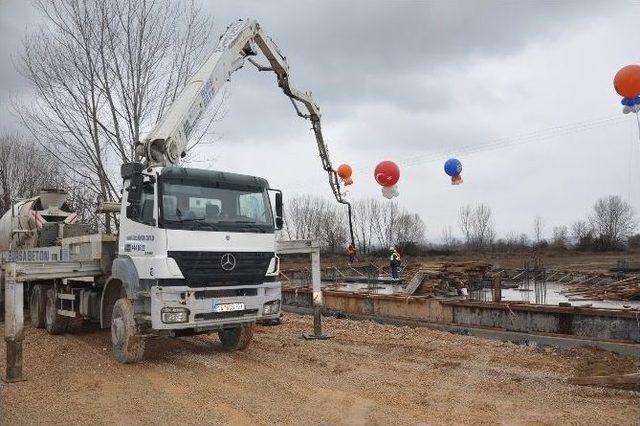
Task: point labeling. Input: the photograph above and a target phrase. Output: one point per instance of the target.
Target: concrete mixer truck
(195, 249)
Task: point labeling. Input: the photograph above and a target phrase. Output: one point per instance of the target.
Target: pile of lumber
(604, 287)
(446, 278)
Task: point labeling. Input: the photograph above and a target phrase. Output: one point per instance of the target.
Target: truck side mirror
(133, 210)
(279, 221)
(134, 192)
(135, 187)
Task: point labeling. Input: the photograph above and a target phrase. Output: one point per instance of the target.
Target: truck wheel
(128, 345)
(237, 338)
(37, 302)
(54, 323)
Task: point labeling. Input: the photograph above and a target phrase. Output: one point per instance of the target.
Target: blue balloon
(453, 167)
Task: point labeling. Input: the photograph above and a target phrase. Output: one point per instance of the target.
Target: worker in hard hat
(351, 252)
(394, 263)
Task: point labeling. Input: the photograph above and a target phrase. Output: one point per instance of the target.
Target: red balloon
(387, 173)
(627, 81)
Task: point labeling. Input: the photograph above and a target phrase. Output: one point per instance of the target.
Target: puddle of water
(374, 288)
(553, 297)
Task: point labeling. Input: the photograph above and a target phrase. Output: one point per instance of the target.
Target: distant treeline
(381, 224)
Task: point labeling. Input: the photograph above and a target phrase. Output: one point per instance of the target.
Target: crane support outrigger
(167, 143)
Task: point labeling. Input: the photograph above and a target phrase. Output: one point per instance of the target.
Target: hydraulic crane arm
(168, 140)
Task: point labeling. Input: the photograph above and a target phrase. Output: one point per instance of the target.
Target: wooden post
(317, 298)
(14, 324)
(497, 288)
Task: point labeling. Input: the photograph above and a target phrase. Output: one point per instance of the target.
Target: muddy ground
(368, 374)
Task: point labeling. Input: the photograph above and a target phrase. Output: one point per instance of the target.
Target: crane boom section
(168, 141)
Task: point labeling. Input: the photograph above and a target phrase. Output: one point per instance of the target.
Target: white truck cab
(196, 251)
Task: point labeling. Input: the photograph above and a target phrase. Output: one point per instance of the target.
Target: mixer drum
(34, 222)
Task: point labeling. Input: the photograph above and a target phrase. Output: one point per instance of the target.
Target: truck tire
(54, 323)
(237, 338)
(37, 303)
(128, 344)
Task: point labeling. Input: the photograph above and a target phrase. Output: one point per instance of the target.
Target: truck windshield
(196, 205)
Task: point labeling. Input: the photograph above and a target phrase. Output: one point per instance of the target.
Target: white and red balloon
(387, 174)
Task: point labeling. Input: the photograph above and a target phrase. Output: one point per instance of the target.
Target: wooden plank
(415, 282)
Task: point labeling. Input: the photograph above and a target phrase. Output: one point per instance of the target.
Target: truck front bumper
(196, 305)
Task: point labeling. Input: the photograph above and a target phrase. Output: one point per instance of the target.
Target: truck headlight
(274, 267)
(174, 315)
(271, 308)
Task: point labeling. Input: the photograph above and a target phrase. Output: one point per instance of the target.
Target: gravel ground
(368, 374)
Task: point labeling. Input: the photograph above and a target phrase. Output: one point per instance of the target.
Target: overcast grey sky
(417, 82)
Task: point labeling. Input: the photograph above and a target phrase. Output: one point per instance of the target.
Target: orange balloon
(344, 171)
(627, 81)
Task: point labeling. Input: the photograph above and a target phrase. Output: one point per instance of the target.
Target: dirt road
(369, 373)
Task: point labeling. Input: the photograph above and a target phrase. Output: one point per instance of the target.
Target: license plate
(228, 307)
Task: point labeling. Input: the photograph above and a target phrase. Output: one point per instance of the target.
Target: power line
(512, 141)
(539, 135)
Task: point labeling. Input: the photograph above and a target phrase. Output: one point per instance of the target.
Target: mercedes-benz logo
(228, 262)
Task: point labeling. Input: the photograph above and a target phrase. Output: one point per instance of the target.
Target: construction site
(144, 282)
(405, 352)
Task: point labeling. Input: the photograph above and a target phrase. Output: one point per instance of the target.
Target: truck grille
(205, 269)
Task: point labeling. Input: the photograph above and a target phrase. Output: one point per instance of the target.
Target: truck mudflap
(182, 307)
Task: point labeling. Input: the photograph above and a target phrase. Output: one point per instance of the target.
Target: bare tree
(511, 239)
(483, 226)
(538, 230)
(465, 219)
(448, 240)
(25, 169)
(333, 227)
(103, 73)
(409, 229)
(376, 223)
(561, 236)
(363, 222)
(515, 241)
(302, 218)
(476, 224)
(612, 221)
(314, 217)
(580, 229)
(385, 221)
(524, 241)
